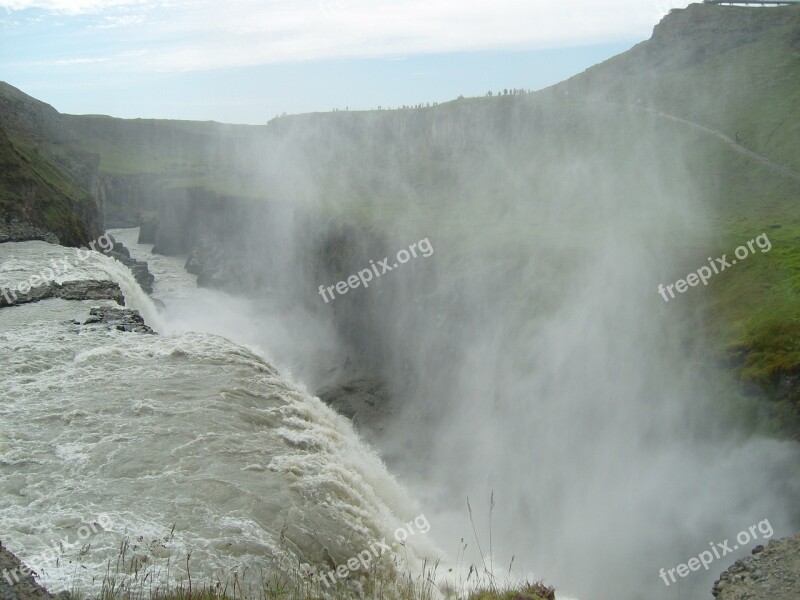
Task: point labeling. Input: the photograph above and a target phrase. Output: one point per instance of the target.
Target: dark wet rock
(69, 290)
(148, 228)
(771, 573)
(139, 268)
(207, 260)
(17, 231)
(364, 401)
(120, 248)
(121, 319)
(17, 581)
(222, 266)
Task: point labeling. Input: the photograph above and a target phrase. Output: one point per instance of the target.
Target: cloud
(202, 34)
(111, 22)
(69, 7)
(80, 61)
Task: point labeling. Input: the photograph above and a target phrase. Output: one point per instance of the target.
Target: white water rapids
(128, 434)
(139, 433)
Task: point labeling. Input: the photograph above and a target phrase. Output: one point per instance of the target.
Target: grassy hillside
(35, 190)
(181, 152)
(735, 70)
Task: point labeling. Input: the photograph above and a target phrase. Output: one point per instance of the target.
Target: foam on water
(297, 341)
(140, 433)
(172, 281)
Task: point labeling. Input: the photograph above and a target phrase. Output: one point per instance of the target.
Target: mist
(528, 358)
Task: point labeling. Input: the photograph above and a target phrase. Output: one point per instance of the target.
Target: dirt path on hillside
(730, 141)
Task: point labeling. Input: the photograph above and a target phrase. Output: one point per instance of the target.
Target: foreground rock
(16, 581)
(69, 290)
(121, 319)
(771, 573)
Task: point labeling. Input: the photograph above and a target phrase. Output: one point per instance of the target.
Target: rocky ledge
(121, 319)
(69, 290)
(771, 573)
(17, 231)
(139, 268)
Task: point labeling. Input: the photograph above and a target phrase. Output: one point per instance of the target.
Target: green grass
(751, 313)
(36, 189)
(527, 591)
(754, 314)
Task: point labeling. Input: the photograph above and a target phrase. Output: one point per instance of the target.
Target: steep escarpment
(43, 189)
(40, 201)
(74, 176)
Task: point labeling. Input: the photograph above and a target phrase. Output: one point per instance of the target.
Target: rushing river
(107, 435)
(204, 441)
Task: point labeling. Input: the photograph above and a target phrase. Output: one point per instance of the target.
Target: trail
(730, 141)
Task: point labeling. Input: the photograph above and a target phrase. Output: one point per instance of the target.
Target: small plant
(487, 585)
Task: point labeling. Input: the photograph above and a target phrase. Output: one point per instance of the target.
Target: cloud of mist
(530, 357)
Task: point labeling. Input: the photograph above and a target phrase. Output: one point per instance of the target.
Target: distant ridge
(758, 2)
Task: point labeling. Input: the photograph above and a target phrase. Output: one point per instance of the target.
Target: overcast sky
(247, 60)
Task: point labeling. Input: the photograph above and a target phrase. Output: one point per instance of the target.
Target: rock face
(69, 290)
(17, 581)
(771, 573)
(364, 401)
(148, 228)
(42, 183)
(16, 231)
(139, 268)
(209, 261)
